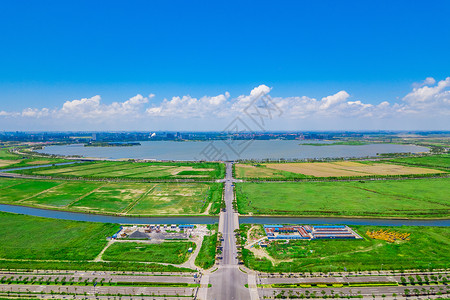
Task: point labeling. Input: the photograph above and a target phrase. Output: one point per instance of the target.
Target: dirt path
(99, 256)
(207, 209)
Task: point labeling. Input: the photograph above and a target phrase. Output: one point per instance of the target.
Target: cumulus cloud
(427, 98)
(92, 108)
(190, 107)
(432, 97)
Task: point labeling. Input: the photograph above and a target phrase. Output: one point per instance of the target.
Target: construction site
(308, 232)
(159, 232)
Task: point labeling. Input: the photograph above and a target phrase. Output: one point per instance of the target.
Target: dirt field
(4, 163)
(349, 168)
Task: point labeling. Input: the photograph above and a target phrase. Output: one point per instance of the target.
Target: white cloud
(189, 107)
(332, 100)
(92, 108)
(35, 113)
(428, 99)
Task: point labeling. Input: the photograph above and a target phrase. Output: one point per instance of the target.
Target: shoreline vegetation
(112, 144)
(341, 143)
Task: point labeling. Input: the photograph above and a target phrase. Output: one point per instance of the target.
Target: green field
(134, 170)
(29, 242)
(207, 254)
(416, 198)
(437, 161)
(427, 248)
(167, 252)
(123, 198)
(28, 237)
(12, 160)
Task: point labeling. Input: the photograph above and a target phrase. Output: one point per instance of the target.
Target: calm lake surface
(229, 150)
(212, 219)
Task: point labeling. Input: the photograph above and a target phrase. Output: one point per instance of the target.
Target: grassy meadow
(427, 248)
(418, 198)
(207, 255)
(133, 170)
(35, 238)
(434, 161)
(123, 198)
(166, 252)
(29, 242)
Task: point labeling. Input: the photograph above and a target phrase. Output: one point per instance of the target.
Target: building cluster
(307, 232)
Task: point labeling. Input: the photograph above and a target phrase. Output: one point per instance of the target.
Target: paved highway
(228, 282)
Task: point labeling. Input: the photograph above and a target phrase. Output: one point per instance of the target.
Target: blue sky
(57, 51)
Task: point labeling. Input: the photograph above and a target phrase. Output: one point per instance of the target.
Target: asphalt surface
(228, 282)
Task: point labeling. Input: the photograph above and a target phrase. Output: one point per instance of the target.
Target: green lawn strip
(28, 237)
(421, 198)
(92, 266)
(427, 248)
(30, 281)
(436, 161)
(132, 170)
(215, 194)
(166, 252)
(207, 254)
(60, 170)
(103, 171)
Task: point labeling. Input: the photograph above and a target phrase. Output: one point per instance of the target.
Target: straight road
(228, 282)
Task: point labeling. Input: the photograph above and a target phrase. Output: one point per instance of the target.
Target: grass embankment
(29, 242)
(133, 170)
(113, 197)
(166, 252)
(207, 255)
(427, 248)
(420, 198)
(12, 160)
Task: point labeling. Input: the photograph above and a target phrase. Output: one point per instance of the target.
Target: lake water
(229, 150)
(212, 219)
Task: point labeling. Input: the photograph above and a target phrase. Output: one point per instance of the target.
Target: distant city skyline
(194, 66)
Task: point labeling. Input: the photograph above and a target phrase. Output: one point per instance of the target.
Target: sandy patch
(6, 162)
(181, 169)
(39, 162)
